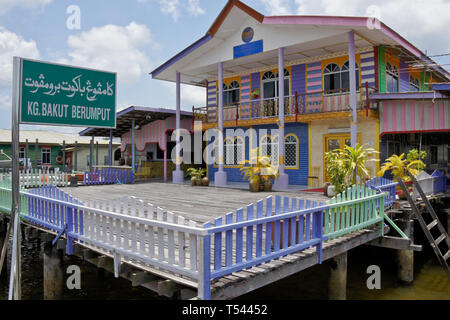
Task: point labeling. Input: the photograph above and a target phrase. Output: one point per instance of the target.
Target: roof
(302, 37)
(48, 138)
(141, 115)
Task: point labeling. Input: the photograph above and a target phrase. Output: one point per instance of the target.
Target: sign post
(53, 94)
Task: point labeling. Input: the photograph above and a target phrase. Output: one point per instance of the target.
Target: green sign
(54, 94)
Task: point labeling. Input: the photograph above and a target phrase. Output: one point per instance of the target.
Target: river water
(431, 282)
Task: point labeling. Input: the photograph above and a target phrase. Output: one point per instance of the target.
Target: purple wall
(255, 83)
(298, 79)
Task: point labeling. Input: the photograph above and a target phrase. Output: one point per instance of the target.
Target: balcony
(297, 105)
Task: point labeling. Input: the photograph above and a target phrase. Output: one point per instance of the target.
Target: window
(391, 78)
(270, 84)
(234, 151)
(291, 148)
(414, 84)
(338, 79)
(22, 153)
(231, 93)
(46, 155)
(269, 148)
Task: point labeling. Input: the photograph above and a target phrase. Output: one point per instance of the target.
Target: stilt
(337, 283)
(405, 258)
(53, 269)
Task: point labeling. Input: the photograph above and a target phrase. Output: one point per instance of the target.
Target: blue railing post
(69, 230)
(204, 286)
(318, 233)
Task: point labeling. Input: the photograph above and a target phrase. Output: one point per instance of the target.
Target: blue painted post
(249, 249)
(318, 233)
(293, 223)
(69, 222)
(205, 274)
(285, 223)
(259, 228)
(276, 232)
(301, 220)
(218, 246)
(268, 247)
(352, 64)
(308, 221)
(228, 241)
(239, 236)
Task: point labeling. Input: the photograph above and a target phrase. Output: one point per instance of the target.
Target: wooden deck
(199, 204)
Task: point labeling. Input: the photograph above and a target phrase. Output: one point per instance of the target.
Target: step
(447, 255)
(440, 239)
(432, 224)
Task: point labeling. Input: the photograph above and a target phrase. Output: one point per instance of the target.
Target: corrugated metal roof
(49, 137)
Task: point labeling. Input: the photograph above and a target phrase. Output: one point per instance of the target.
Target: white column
(220, 177)
(352, 63)
(178, 175)
(282, 182)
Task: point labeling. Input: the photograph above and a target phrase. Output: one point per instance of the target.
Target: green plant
(258, 166)
(413, 155)
(345, 165)
(399, 167)
(196, 173)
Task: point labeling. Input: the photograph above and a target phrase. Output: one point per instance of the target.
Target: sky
(133, 37)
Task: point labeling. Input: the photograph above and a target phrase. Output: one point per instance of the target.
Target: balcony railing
(294, 105)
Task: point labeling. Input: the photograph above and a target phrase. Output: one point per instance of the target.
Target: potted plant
(344, 166)
(197, 178)
(259, 172)
(399, 166)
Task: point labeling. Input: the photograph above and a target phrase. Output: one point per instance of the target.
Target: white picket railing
(35, 178)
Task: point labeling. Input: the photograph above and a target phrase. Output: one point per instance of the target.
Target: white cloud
(171, 7)
(194, 8)
(277, 7)
(5, 102)
(6, 5)
(190, 95)
(420, 22)
(113, 48)
(12, 44)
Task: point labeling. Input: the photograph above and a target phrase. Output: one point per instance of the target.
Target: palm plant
(357, 158)
(400, 166)
(258, 167)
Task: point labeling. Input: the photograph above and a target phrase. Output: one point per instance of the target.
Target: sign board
(61, 95)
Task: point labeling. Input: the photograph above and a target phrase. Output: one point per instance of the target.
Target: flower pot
(325, 188)
(331, 191)
(267, 185)
(193, 181)
(205, 181)
(254, 186)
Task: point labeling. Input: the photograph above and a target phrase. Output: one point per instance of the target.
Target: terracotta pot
(205, 181)
(198, 182)
(193, 181)
(254, 187)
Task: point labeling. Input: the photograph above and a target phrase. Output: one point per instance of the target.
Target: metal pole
(110, 147)
(96, 153)
(132, 146)
(36, 153)
(26, 155)
(64, 155)
(15, 277)
(75, 160)
(91, 155)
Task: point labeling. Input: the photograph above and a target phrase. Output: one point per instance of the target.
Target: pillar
(178, 175)
(53, 269)
(75, 157)
(110, 147)
(405, 258)
(165, 157)
(64, 155)
(337, 283)
(220, 177)
(352, 63)
(133, 145)
(282, 183)
(96, 153)
(26, 154)
(36, 155)
(91, 154)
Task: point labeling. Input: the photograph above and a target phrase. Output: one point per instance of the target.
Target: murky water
(430, 281)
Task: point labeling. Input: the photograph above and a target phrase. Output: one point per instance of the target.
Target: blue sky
(132, 37)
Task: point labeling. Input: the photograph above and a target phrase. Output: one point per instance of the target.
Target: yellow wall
(367, 129)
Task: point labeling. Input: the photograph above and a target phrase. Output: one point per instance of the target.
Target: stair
(427, 227)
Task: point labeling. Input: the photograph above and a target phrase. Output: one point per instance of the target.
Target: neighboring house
(238, 62)
(48, 149)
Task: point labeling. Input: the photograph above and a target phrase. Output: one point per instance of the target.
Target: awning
(406, 116)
